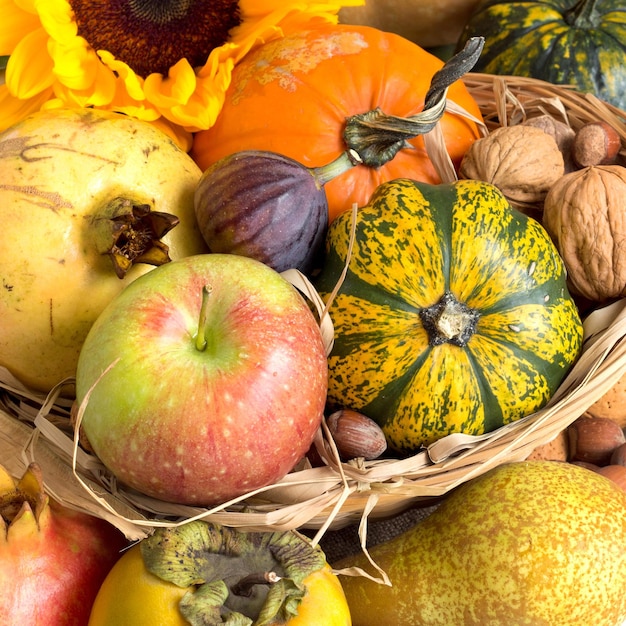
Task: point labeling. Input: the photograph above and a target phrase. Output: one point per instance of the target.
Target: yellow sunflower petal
(264, 21)
(16, 109)
(133, 83)
(82, 76)
(206, 103)
(176, 88)
(295, 21)
(24, 5)
(29, 69)
(193, 99)
(57, 18)
(15, 24)
(255, 10)
(104, 86)
(123, 102)
(142, 110)
(100, 94)
(75, 64)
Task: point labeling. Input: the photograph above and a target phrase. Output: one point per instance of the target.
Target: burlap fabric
(338, 544)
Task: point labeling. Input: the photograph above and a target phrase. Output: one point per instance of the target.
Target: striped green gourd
(565, 42)
(454, 315)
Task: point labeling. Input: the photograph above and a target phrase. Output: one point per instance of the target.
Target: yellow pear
(533, 543)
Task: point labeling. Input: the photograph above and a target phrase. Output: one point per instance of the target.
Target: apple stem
(201, 341)
(245, 585)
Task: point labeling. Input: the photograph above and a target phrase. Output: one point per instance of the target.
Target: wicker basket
(339, 494)
(509, 100)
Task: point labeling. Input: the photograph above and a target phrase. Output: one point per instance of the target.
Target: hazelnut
(356, 435)
(562, 133)
(618, 456)
(596, 143)
(616, 473)
(593, 439)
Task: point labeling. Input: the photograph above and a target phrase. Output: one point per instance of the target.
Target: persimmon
(201, 570)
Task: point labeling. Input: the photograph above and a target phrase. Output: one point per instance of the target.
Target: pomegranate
(52, 559)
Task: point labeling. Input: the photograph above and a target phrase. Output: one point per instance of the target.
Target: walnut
(523, 161)
(612, 404)
(584, 215)
(554, 450)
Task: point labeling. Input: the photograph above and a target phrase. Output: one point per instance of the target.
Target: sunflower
(164, 61)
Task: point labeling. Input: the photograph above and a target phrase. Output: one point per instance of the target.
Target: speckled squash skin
(414, 243)
(535, 543)
(565, 42)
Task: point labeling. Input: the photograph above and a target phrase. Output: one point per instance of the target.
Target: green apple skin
(202, 426)
(533, 543)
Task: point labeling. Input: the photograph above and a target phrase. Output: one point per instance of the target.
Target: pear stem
(201, 340)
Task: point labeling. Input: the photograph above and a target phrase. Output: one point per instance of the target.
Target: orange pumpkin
(293, 95)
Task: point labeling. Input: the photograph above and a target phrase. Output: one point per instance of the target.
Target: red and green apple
(203, 380)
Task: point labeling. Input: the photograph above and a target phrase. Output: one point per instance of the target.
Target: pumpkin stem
(582, 15)
(377, 137)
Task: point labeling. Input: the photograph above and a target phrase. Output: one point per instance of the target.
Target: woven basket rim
(322, 498)
(339, 493)
(523, 97)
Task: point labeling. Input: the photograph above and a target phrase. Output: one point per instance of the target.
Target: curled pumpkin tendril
(377, 137)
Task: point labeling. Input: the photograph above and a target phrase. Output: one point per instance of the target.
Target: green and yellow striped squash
(454, 315)
(566, 42)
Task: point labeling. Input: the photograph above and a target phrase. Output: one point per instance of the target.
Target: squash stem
(345, 161)
(449, 321)
(201, 339)
(582, 15)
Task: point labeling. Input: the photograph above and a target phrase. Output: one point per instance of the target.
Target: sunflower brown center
(152, 35)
